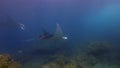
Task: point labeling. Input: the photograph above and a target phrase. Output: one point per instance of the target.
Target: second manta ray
(11, 24)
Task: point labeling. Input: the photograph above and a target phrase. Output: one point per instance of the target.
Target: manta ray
(46, 36)
(58, 34)
(9, 23)
(46, 43)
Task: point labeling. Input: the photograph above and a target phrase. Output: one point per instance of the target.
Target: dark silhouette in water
(46, 35)
(58, 35)
(9, 23)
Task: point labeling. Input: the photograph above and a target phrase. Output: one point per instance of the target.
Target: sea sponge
(7, 62)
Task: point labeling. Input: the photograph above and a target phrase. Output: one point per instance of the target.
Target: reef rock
(7, 62)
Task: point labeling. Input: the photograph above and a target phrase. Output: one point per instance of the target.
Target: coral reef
(95, 55)
(100, 50)
(89, 57)
(61, 62)
(105, 65)
(85, 60)
(7, 62)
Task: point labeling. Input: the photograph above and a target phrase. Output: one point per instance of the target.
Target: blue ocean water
(80, 20)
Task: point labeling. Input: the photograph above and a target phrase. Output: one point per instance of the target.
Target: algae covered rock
(7, 62)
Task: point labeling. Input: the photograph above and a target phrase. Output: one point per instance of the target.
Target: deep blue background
(81, 20)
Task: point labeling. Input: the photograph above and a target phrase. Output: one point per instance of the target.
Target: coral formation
(61, 62)
(89, 57)
(95, 55)
(99, 50)
(105, 65)
(85, 60)
(7, 62)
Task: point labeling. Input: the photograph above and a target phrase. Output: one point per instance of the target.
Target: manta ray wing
(58, 33)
